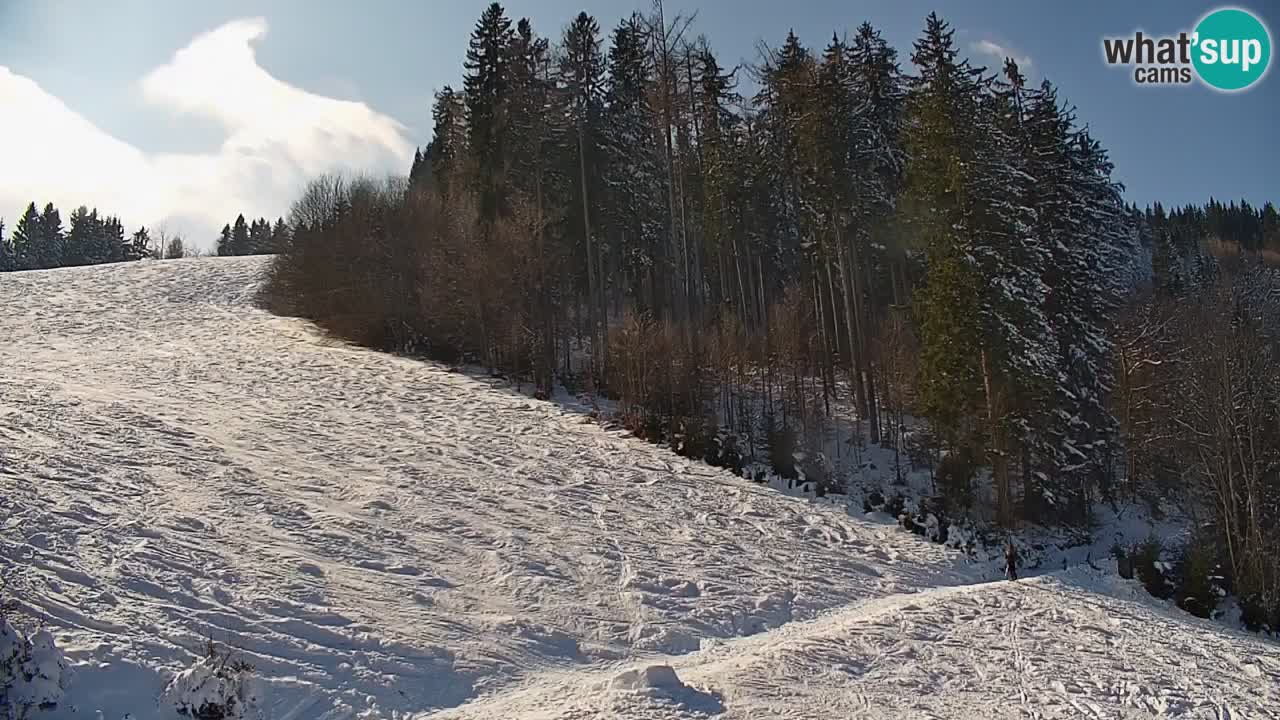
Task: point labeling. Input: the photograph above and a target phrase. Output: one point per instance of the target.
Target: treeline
(1252, 229)
(943, 242)
(1197, 394)
(259, 237)
(947, 243)
(40, 240)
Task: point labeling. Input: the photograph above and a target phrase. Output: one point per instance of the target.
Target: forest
(934, 242)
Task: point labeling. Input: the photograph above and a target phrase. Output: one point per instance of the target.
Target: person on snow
(1010, 560)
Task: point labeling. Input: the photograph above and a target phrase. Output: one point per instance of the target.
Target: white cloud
(277, 137)
(998, 53)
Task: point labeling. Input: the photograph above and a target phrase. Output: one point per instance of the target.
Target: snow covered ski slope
(383, 538)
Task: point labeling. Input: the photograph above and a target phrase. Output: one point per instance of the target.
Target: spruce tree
(280, 236)
(8, 262)
(27, 235)
(139, 245)
(986, 342)
(449, 138)
(581, 74)
(240, 242)
(49, 251)
(633, 176)
(82, 237)
(487, 87)
(226, 244)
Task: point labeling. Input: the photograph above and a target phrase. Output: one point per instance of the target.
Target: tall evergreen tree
(139, 245)
(27, 236)
(8, 262)
(280, 236)
(240, 240)
(633, 170)
(82, 238)
(487, 88)
(985, 339)
(449, 138)
(226, 243)
(49, 251)
(582, 76)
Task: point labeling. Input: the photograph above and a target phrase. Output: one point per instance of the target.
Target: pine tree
(280, 236)
(784, 101)
(49, 251)
(719, 136)
(418, 173)
(8, 262)
(82, 238)
(632, 171)
(115, 247)
(581, 75)
(240, 242)
(226, 243)
(259, 237)
(27, 235)
(487, 88)
(986, 341)
(139, 245)
(449, 138)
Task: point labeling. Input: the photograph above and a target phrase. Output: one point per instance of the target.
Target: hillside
(384, 538)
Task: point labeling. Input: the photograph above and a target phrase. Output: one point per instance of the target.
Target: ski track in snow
(384, 538)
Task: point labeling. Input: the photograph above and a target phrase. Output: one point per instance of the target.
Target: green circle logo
(1231, 49)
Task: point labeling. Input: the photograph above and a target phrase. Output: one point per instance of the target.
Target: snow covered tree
(581, 70)
(984, 336)
(634, 211)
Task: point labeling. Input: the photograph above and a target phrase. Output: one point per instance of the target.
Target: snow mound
(647, 678)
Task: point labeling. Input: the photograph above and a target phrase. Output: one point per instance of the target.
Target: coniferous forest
(909, 240)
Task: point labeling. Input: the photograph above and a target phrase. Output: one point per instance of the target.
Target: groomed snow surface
(382, 538)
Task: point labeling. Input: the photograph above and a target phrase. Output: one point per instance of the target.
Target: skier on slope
(1010, 560)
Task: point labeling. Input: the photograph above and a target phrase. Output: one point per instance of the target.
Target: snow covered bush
(218, 687)
(33, 672)
(1198, 577)
(1149, 568)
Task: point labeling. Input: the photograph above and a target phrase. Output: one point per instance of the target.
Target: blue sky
(202, 138)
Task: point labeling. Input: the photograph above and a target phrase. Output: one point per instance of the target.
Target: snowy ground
(383, 538)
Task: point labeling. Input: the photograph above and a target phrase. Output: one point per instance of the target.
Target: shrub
(782, 452)
(33, 671)
(1196, 570)
(218, 687)
(1148, 567)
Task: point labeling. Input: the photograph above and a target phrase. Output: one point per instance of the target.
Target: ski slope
(383, 538)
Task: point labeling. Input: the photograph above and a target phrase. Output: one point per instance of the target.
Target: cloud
(277, 136)
(999, 52)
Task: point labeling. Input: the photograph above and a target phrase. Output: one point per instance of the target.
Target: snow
(384, 538)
